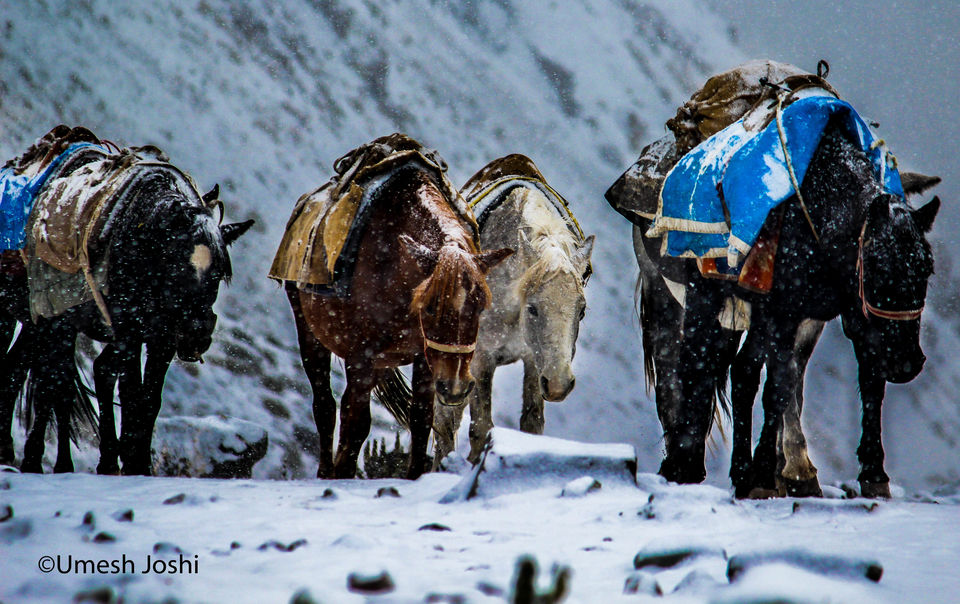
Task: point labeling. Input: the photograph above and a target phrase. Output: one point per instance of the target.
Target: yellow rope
(789, 162)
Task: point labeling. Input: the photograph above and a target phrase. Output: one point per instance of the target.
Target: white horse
(537, 298)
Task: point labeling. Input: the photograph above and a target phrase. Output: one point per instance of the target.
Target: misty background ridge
(262, 99)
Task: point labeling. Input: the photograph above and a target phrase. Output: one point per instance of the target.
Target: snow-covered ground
(265, 541)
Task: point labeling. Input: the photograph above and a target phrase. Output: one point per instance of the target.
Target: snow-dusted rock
(580, 487)
(825, 564)
(513, 461)
(784, 582)
(642, 583)
(214, 446)
(668, 556)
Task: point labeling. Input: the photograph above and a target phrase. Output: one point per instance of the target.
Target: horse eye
(583, 313)
(532, 310)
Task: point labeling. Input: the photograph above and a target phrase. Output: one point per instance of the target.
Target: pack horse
(118, 244)
(772, 208)
(382, 267)
(538, 297)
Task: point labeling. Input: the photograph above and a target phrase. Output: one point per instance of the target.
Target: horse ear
(581, 258)
(231, 232)
(212, 195)
(488, 260)
(425, 257)
(925, 214)
(914, 183)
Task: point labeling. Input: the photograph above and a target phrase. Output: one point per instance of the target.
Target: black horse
(871, 255)
(167, 257)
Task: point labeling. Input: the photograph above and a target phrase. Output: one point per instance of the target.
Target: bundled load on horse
(382, 266)
(117, 243)
(319, 245)
(537, 296)
(772, 205)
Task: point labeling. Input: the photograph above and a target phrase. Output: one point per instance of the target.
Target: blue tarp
(17, 193)
(751, 172)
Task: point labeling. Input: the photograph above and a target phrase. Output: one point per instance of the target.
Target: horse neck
(547, 245)
(839, 186)
(149, 248)
(437, 218)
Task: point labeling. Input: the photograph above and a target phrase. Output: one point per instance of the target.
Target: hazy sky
(896, 62)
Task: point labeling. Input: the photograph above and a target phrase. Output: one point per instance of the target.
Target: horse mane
(552, 241)
(160, 204)
(455, 268)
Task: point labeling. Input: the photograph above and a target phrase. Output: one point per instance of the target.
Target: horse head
(176, 267)
(894, 266)
(447, 306)
(550, 296)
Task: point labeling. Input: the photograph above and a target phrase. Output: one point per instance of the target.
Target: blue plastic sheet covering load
(746, 165)
(17, 194)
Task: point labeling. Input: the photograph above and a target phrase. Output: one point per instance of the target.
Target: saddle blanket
(486, 190)
(18, 191)
(319, 245)
(715, 200)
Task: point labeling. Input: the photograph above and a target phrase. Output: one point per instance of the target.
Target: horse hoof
(761, 493)
(31, 468)
(875, 490)
(63, 469)
(6, 456)
(802, 488)
(674, 472)
(108, 469)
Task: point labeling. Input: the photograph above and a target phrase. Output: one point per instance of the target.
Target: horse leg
(703, 340)
(481, 406)
(531, 417)
(316, 364)
(12, 375)
(131, 404)
(745, 381)
(354, 417)
(7, 325)
(447, 418)
(874, 481)
(106, 370)
(159, 355)
(778, 392)
(421, 417)
(798, 475)
(662, 319)
(52, 385)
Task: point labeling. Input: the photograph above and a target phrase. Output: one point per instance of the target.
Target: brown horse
(416, 293)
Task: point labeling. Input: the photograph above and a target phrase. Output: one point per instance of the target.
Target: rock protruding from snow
(580, 487)
(826, 564)
(214, 446)
(378, 583)
(513, 461)
(668, 557)
(642, 583)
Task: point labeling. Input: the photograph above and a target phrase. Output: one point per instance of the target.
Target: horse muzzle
(905, 371)
(556, 390)
(453, 393)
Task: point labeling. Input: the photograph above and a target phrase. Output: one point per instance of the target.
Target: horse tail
(721, 371)
(642, 300)
(83, 416)
(394, 393)
(722, 367)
